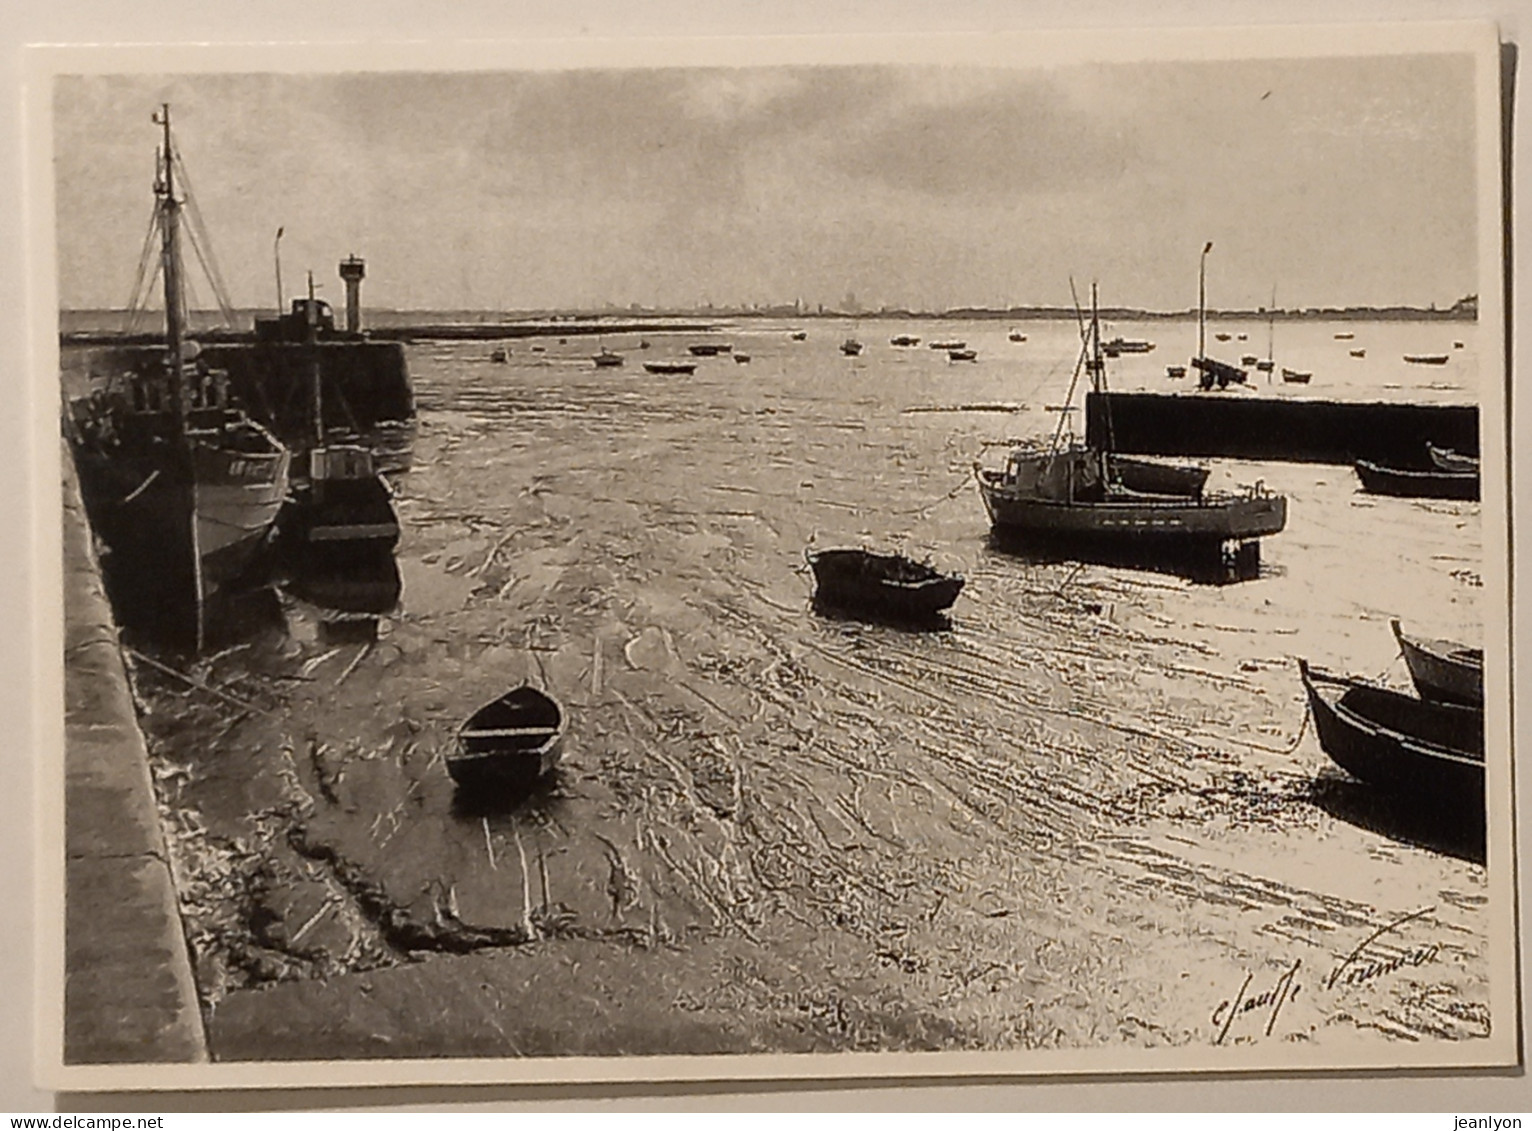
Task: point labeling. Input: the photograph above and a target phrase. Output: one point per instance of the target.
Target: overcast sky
(1338, 181)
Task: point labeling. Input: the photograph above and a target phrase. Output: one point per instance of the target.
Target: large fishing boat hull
(1163, 520)
(238, 492)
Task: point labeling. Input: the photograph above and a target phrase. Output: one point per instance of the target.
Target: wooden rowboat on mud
(1430, 751)
(1443, 671)
(1411, 484)
(508, 744)
(889, 585)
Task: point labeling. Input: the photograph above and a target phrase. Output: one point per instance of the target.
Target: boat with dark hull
(1446, 459)
(180, 484)
(1296, 376)
(670, 367)
(1086, 502)
(507, 745)
(885, 585)
(1412, 484)
(1443, 671)
(1430, 752)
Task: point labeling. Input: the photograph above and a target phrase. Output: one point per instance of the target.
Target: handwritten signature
(1353, 970)
(1282, 991)
(1358, 972)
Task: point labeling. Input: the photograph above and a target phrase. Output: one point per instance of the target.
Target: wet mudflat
(1087, 813)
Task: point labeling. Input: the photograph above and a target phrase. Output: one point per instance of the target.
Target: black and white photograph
(747, 559)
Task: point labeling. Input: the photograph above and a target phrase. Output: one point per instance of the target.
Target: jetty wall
(364, 382)
(1240, 426)
(129, 995)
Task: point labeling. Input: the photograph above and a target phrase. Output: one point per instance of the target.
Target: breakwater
(129, 996)
(1267, 428)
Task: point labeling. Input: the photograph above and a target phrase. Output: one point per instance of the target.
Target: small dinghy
(1443, 671)
(508, 743)
(884, 584)
(1412, 484)
(1433, 752)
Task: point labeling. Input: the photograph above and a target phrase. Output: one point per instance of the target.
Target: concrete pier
(1275, 428)
(129, 996)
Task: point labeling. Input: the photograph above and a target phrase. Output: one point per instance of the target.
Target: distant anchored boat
(1426, 358)
(904, 340)
(949, 345)
(708, 349)
(606, 359)
(671, 366)
(851, 347)
(1296, 376)
(963, 355)
(1017, 336)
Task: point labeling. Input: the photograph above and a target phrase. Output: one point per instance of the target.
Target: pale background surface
(83, 21)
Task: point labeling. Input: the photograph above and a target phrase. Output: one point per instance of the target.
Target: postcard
(773, 558)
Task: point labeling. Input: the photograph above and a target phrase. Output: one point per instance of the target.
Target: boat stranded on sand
(508, 744)
(887, 585)
(1097, 505)
(1431, 752)
(1443, 671)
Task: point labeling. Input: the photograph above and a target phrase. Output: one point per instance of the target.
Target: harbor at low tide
(1085, 813)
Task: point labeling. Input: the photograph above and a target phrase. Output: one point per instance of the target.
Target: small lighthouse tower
(353, 270)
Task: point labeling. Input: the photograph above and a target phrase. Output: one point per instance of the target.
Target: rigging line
(1064, 416)
(199, 230)
(143, 267)
(142, 308)
(202, 258)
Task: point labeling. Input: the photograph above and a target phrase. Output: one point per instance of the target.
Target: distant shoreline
(93, 326)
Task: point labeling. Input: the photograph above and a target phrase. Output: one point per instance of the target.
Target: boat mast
(311, 337)
(170, 237)
(1202, 301)
(170, 252)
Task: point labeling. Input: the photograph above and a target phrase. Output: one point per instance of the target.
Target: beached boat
(1446, 459)
(508, 744)
(963, 355)
(1426, 358)
(1433, 752)
(1296, 376)
(180, 484)
(1443, 671)
(851, 347)
(1379, 480)
(883, 584)
(606, 359)
(671, 366)
(1078, 499)
(1218, 374)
